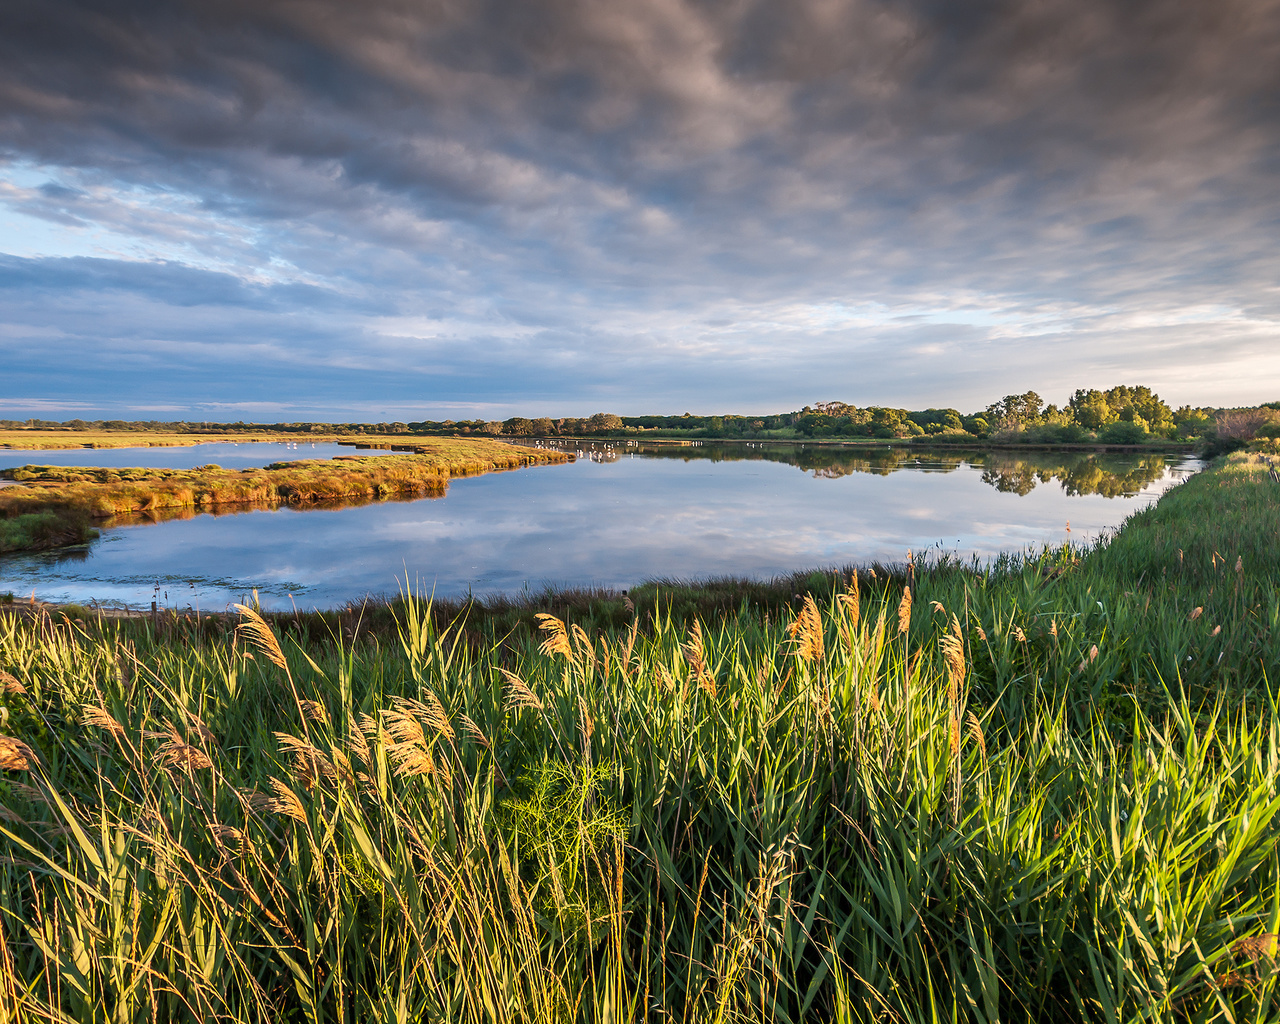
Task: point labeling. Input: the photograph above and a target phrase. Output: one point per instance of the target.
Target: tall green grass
(45, 529)
(1011, 797)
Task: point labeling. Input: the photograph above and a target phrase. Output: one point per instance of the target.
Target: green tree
(1191, 422)
(1091, 409)
(1133, 403)
(1015, 410)
(602, 421)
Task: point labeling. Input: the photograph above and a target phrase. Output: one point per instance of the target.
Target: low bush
(1124, 432)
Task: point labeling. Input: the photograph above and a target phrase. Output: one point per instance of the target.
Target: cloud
(658, 204)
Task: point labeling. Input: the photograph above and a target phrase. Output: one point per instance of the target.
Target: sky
(404, 209)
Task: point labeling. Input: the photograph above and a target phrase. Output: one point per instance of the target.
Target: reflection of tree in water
(1108, 475)
(1111, 482)
(824, 463)
(1016, 479)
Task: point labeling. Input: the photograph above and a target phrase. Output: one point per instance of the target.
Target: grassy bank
(1040, 792)
(70, 439)
(57, 505)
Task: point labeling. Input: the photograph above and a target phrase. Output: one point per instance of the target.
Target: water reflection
(166, 515)
(611, 519)
(1078, 473)
(1111, 476)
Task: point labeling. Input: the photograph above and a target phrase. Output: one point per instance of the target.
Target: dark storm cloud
(552, 204)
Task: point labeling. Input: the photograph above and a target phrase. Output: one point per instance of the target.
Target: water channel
(615, 516)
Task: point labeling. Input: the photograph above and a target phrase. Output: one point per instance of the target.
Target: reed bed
(58, 503)
(160, 438)
(941, 796)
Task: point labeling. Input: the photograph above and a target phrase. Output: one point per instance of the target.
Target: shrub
(1216, 446)
(1124, 432)
(1242, 423)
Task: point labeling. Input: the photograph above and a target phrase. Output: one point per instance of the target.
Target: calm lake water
(613, 518)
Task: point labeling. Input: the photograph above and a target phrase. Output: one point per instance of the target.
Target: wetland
(617, 514)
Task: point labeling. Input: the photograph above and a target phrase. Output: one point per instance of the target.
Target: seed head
(904, 611)
(518, 693)
(557, 641)
(254, 629)
(695, 654)
(807, 631)
(15, 756)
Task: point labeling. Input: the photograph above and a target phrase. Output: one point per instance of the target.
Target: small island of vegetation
(60, 505)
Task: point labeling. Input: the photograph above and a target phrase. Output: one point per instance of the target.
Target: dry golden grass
(519, 695)
(65, 439)
(256, 632)
(81, 494)
(695, 654)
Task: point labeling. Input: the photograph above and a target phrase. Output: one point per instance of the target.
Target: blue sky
(403, 209)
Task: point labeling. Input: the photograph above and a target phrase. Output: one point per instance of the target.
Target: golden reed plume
(695, 654)
(254, 630)
(806, 630)
(15, 756)
(557, 641)
(904, 611)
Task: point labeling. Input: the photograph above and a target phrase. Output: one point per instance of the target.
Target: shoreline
(12, 440)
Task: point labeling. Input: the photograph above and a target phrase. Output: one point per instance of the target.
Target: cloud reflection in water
(608, 522)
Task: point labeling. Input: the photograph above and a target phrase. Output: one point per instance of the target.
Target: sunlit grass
(144, 438)
(1041, 791)
(58, 503)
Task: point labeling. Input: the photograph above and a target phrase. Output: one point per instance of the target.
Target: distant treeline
(1118, 415)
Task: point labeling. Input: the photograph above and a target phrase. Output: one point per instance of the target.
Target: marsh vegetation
(58, 504)
(1043, 791)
